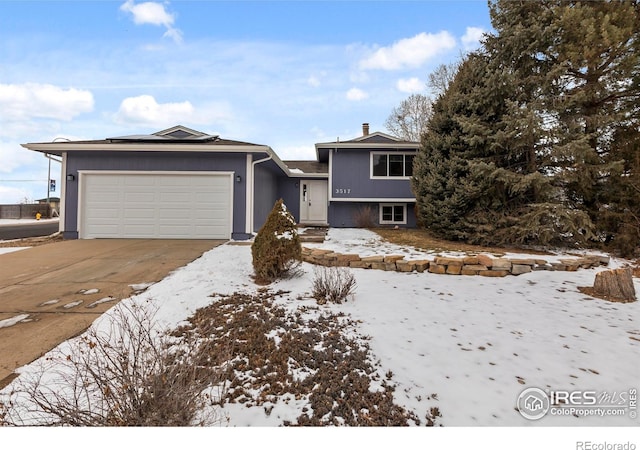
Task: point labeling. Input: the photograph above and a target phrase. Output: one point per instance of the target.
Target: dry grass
(422, 240)
(278, 355)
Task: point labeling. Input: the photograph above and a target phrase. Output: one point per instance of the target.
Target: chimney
(365, 129)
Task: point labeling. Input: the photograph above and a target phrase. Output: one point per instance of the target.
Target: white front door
(313, 201)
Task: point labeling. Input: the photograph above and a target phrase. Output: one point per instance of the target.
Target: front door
(313, 201)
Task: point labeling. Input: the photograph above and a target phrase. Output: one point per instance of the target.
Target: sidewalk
(8, 222)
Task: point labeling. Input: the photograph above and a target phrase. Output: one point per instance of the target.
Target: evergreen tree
(542, 139)
(276, 250)
(577, 64)
(442, 183)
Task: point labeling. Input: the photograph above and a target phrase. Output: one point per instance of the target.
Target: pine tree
(441, 163)
(542, 141)
(578, 65)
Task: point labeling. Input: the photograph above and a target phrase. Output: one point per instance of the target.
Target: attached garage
(176, 183)
(160, 205)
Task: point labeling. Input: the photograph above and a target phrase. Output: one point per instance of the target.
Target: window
(393, 213)
(392, 165)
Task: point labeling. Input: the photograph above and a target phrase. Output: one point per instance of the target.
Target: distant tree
(408, 120)
(440, 78)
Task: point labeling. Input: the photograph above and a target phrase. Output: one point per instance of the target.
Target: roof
(178, 133)
(372, 141)
(372, 138)
(178, 138)
(307, 167)
(175, 139)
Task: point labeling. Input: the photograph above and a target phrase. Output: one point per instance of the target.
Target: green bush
(276, 249)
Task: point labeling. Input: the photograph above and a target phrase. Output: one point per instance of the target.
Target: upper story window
(392, 165)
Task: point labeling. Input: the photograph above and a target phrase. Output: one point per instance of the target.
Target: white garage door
(177, 205)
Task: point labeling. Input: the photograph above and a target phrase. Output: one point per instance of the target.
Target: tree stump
(615, 285)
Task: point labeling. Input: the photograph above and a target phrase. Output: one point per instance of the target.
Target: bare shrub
(123, 373)
(364, 217)
(332, 284)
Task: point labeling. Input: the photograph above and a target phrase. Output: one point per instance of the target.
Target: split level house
(180, 183)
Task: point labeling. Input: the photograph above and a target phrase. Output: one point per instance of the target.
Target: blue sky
(286, 74)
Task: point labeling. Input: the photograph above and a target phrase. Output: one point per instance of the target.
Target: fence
(27, 211)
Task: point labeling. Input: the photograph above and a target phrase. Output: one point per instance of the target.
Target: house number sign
(343, 191)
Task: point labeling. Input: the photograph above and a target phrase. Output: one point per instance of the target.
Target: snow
(474, 342)
(101, 301)
(287, 235)
(4, 250)
(5, 323)
(26, 221)
(90, 291)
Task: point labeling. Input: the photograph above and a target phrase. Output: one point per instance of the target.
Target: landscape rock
(470, 260)
(518, 269)
(405, 266)
(437, 268)
(501, 264)
(485, 260)
(494, 273)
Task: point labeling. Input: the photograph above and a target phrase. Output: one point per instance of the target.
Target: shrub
(364, 217)
(276, 249)
(124, 374)
(332, 284)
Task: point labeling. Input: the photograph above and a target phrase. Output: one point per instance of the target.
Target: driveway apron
(53, 292)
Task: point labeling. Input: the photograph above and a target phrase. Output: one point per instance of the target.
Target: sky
(287, 74)
(476, 343)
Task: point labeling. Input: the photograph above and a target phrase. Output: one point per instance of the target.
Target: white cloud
(471, 38)
(409, 52)
(313, 81)
(410, 85)
(174, 34)
(14, 195)
(144, 109)
(153, 13)
(297, 152)
(13, 156)
(355, 94)
(31, 100)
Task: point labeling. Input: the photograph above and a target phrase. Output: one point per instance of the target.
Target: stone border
(481, 264)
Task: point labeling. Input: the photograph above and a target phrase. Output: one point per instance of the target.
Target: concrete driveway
(54, 288)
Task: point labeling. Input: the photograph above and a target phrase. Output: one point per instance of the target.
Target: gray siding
(343, 214)
(156, 161)
(265, 194)
(351, 178)
(289, 192)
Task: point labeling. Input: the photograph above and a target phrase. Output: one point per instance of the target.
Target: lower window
(393, 213)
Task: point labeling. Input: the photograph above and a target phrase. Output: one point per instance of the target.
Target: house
(370, 173)
(53, 201)
(181, 183)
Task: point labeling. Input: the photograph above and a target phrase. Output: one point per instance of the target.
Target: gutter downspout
(250, 191)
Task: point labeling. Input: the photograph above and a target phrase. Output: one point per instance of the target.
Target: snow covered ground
(25, 221)
(10, 249)
(468, 345)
